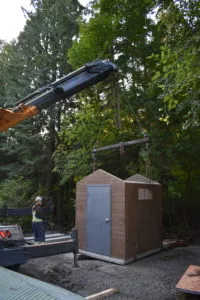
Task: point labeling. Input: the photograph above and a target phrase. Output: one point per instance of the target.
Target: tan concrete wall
(117, 210)
(143, 220)
(131, 221)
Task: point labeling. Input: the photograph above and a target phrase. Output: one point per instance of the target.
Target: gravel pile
(152, 278)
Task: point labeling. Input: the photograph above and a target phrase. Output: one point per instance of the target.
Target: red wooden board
(190, 281)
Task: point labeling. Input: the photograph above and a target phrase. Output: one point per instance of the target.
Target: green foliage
(37, 58)
(77, 138)
(16, 192)
(176, 82)
(118, 30)
(179, 63)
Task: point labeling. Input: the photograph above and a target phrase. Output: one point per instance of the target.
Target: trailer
(16, 249)
(14, 253)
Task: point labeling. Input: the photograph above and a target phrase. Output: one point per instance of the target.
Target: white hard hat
(38, 198)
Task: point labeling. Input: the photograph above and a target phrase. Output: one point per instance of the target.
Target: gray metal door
(99, 219)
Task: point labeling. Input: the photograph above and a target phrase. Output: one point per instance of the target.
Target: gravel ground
(152, 278)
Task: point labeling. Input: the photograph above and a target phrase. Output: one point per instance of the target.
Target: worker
(38, 225)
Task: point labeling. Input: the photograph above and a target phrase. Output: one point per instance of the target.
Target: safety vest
(35, 218)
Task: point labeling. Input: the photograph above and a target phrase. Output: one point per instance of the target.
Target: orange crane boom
(63, 88)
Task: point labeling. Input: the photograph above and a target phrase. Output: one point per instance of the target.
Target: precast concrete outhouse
(118, 220)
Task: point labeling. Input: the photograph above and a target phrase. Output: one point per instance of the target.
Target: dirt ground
(151, 278)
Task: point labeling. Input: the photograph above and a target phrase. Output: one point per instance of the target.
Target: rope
(94, 161)
(133, 113)
(99, 132)
(117, 117)
(148, 167)
(147, 161)
(121, 149)
(117, 105)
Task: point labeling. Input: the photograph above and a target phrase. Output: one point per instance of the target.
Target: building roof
(100, 172)
(138, 178)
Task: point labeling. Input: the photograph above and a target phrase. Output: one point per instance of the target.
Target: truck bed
(56, 243)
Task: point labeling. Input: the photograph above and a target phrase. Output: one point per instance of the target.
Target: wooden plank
(45, 244)
(49, 249)
(102, 294)
(190, 281)
(48, 236)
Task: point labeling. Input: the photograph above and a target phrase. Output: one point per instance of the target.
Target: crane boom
(63, 88)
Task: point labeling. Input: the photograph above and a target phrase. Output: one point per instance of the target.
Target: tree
(176, 78)
(121, 31)
(42, 48)
(178, 70)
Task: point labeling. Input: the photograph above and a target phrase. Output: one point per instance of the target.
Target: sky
(12, 19)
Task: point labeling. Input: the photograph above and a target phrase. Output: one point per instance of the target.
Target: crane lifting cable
(121, 145)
